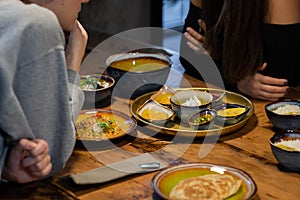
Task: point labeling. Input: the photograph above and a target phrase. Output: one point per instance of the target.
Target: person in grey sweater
(39, 86)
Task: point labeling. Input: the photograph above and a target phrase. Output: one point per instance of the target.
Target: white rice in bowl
(287, 109)
(290, 145)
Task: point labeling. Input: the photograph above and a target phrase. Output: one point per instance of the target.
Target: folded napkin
(140, 164)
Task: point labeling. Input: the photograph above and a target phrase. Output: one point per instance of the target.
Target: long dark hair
(234, 35)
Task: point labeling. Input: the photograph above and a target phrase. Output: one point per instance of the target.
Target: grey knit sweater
(39, 97)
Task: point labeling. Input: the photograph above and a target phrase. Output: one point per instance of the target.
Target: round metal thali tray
(175, 127)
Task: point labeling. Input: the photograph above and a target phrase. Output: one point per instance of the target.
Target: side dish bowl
(284, 115)
(188, 102)
(230, 113)
(164, 95)
(203, 120)
(96, 89)
(155, 112)
(286, 149)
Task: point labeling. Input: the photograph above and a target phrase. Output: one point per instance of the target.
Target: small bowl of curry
(230, 113)
(164, 95)
(155, 112)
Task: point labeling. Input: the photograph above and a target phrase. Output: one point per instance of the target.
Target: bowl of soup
(138, 73)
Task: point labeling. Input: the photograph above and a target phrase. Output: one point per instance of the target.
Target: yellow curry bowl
(230, 113)
(155, 112)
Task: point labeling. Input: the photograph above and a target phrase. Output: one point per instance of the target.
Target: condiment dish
(203, 120)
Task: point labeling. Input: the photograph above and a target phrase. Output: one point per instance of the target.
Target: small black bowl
(287, 157)
(100, 96)
(232, 118)
(283, 121)
(203, 119)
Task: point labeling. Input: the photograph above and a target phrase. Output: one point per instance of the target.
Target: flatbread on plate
(207, 187)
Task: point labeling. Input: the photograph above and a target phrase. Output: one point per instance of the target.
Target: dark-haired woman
(256, 44)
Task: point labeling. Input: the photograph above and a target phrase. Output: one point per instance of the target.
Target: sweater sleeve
(41, 97)
(76, 97)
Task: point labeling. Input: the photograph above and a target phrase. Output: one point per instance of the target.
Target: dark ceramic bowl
(100, 96)
(281, 120)
(138, 73)
(203, 120)
(287, 156)
(182, 103)
(234, 113)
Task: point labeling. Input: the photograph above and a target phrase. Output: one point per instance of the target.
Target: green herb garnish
(202, 119)
(106, 125)
(89, 81)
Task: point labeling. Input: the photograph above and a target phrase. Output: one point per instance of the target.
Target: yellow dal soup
(164, 98)
(143, 64)
(154, 114)
(231, 112)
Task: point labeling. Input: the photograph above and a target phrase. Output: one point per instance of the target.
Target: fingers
(22, 148)
(37, 164)
(263, 67)
(267, 96)
(35, 160)
(193, 47)
(25, 144)
(43, 172)
(202, 25)
(270, 80)
(40, 147)
(78, 27)
(76, 47)
(194, 36)
(37, 156)
(263, 87)
(273, 81)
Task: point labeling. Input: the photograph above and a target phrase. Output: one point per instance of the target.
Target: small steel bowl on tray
(230, 113)
(155, 112)
(188, 102)
(203, 120)
(164, 95)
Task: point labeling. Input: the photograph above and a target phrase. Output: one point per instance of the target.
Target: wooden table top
(246, 149)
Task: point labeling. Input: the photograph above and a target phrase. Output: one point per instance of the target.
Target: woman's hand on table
(28, 161)
(263, 87)
(195, 38)
(76, 47)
